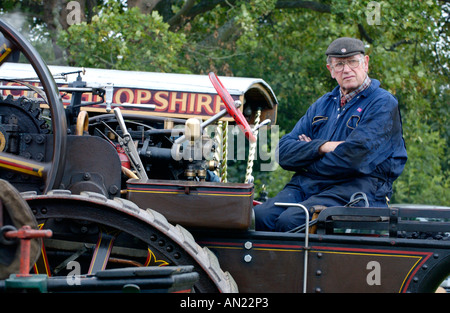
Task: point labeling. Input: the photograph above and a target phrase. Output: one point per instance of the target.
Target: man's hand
(303, 137)
(328, 146)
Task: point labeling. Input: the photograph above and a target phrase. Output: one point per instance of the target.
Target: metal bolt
(248, 245)
(40, 139)
(40, 156)
(113, 189)
(27, 138)
(248, 258)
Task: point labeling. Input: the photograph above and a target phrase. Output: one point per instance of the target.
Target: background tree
(283, 42)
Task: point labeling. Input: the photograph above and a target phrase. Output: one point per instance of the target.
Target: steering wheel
(235, 113)
(52, 171)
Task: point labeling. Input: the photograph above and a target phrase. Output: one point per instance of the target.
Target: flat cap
(345, 47)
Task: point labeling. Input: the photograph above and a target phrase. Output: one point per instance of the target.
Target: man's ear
(331, 70)
(366, 63)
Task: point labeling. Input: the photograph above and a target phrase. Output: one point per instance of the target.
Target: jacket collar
(366, 92)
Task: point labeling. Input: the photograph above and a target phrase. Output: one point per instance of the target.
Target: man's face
(349, 78)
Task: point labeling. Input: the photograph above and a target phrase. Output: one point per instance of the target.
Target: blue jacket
(371, 158)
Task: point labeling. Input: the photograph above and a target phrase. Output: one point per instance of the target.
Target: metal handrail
(305, 266)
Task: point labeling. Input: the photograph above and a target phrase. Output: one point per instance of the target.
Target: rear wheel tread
(203, 256)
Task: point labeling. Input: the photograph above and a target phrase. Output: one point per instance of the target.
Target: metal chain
(252, 150)
(218, 152)
(223, 165)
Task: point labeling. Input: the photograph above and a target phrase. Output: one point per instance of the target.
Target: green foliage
(425, 180)
(125, 40)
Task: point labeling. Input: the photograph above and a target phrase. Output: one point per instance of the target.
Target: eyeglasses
(339, 66)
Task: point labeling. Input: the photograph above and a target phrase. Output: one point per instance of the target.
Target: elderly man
(349, 141)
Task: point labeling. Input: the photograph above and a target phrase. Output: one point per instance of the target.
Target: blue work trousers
(269, 217)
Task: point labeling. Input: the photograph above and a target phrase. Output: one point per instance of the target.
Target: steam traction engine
(118, 187)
